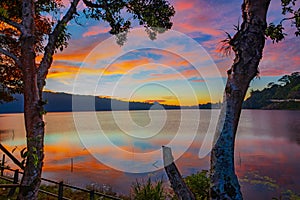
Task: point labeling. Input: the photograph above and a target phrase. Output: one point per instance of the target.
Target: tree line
(281, 95)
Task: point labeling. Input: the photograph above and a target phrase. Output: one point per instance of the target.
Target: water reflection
(6, 134)
(267, 146)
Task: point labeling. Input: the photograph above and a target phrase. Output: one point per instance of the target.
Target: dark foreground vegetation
(158, 190)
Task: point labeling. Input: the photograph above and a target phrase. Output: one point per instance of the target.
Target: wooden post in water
(92, 194)
(71, 164)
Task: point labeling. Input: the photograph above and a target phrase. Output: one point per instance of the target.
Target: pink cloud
(182, 6)
(188, 27)
(281, 58)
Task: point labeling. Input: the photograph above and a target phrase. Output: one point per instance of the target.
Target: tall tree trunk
(34, 81)
(32, 107)
(247, 44)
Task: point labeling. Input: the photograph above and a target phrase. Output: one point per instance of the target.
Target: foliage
(288, 87)
(148, 190)
(153, 15)
(10, 79)
(199, 184)
(276, 32)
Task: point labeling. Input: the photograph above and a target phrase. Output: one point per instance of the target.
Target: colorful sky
(164, 70)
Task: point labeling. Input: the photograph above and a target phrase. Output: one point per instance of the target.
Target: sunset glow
(205, 22)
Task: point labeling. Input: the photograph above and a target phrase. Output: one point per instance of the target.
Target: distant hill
(285, 94)
(62, 102)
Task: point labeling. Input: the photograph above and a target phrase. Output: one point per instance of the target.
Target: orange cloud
(67, 71)
(123, 67)
(95, 30)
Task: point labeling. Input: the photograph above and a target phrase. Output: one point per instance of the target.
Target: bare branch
(287, 18)
(12, 56)
(50, 47)
(12, 23)
(177, 183)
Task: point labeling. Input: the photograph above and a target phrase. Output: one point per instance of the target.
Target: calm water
(267, 147)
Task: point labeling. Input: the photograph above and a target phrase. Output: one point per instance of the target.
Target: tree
(32, 33)
(247, 45)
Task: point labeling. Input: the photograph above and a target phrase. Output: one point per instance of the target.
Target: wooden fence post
(16, 180)
(92, 194)
(2, 164)
(60, 190)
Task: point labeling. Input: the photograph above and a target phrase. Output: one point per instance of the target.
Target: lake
(113, 149)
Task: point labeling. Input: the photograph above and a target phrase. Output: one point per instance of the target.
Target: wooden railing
(61, 185)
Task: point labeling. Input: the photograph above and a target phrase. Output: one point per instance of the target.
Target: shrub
(199, 184)
(148, 190)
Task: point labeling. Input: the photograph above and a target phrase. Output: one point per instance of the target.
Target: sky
(183, 66)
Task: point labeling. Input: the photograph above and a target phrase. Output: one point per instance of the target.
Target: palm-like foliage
(148, 190)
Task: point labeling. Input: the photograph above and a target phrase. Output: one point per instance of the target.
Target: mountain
(62, 102)
(285, 94)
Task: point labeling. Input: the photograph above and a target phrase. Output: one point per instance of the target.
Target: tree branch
(12, 56)
(50, 47)
(287, 18)
(12, 23)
